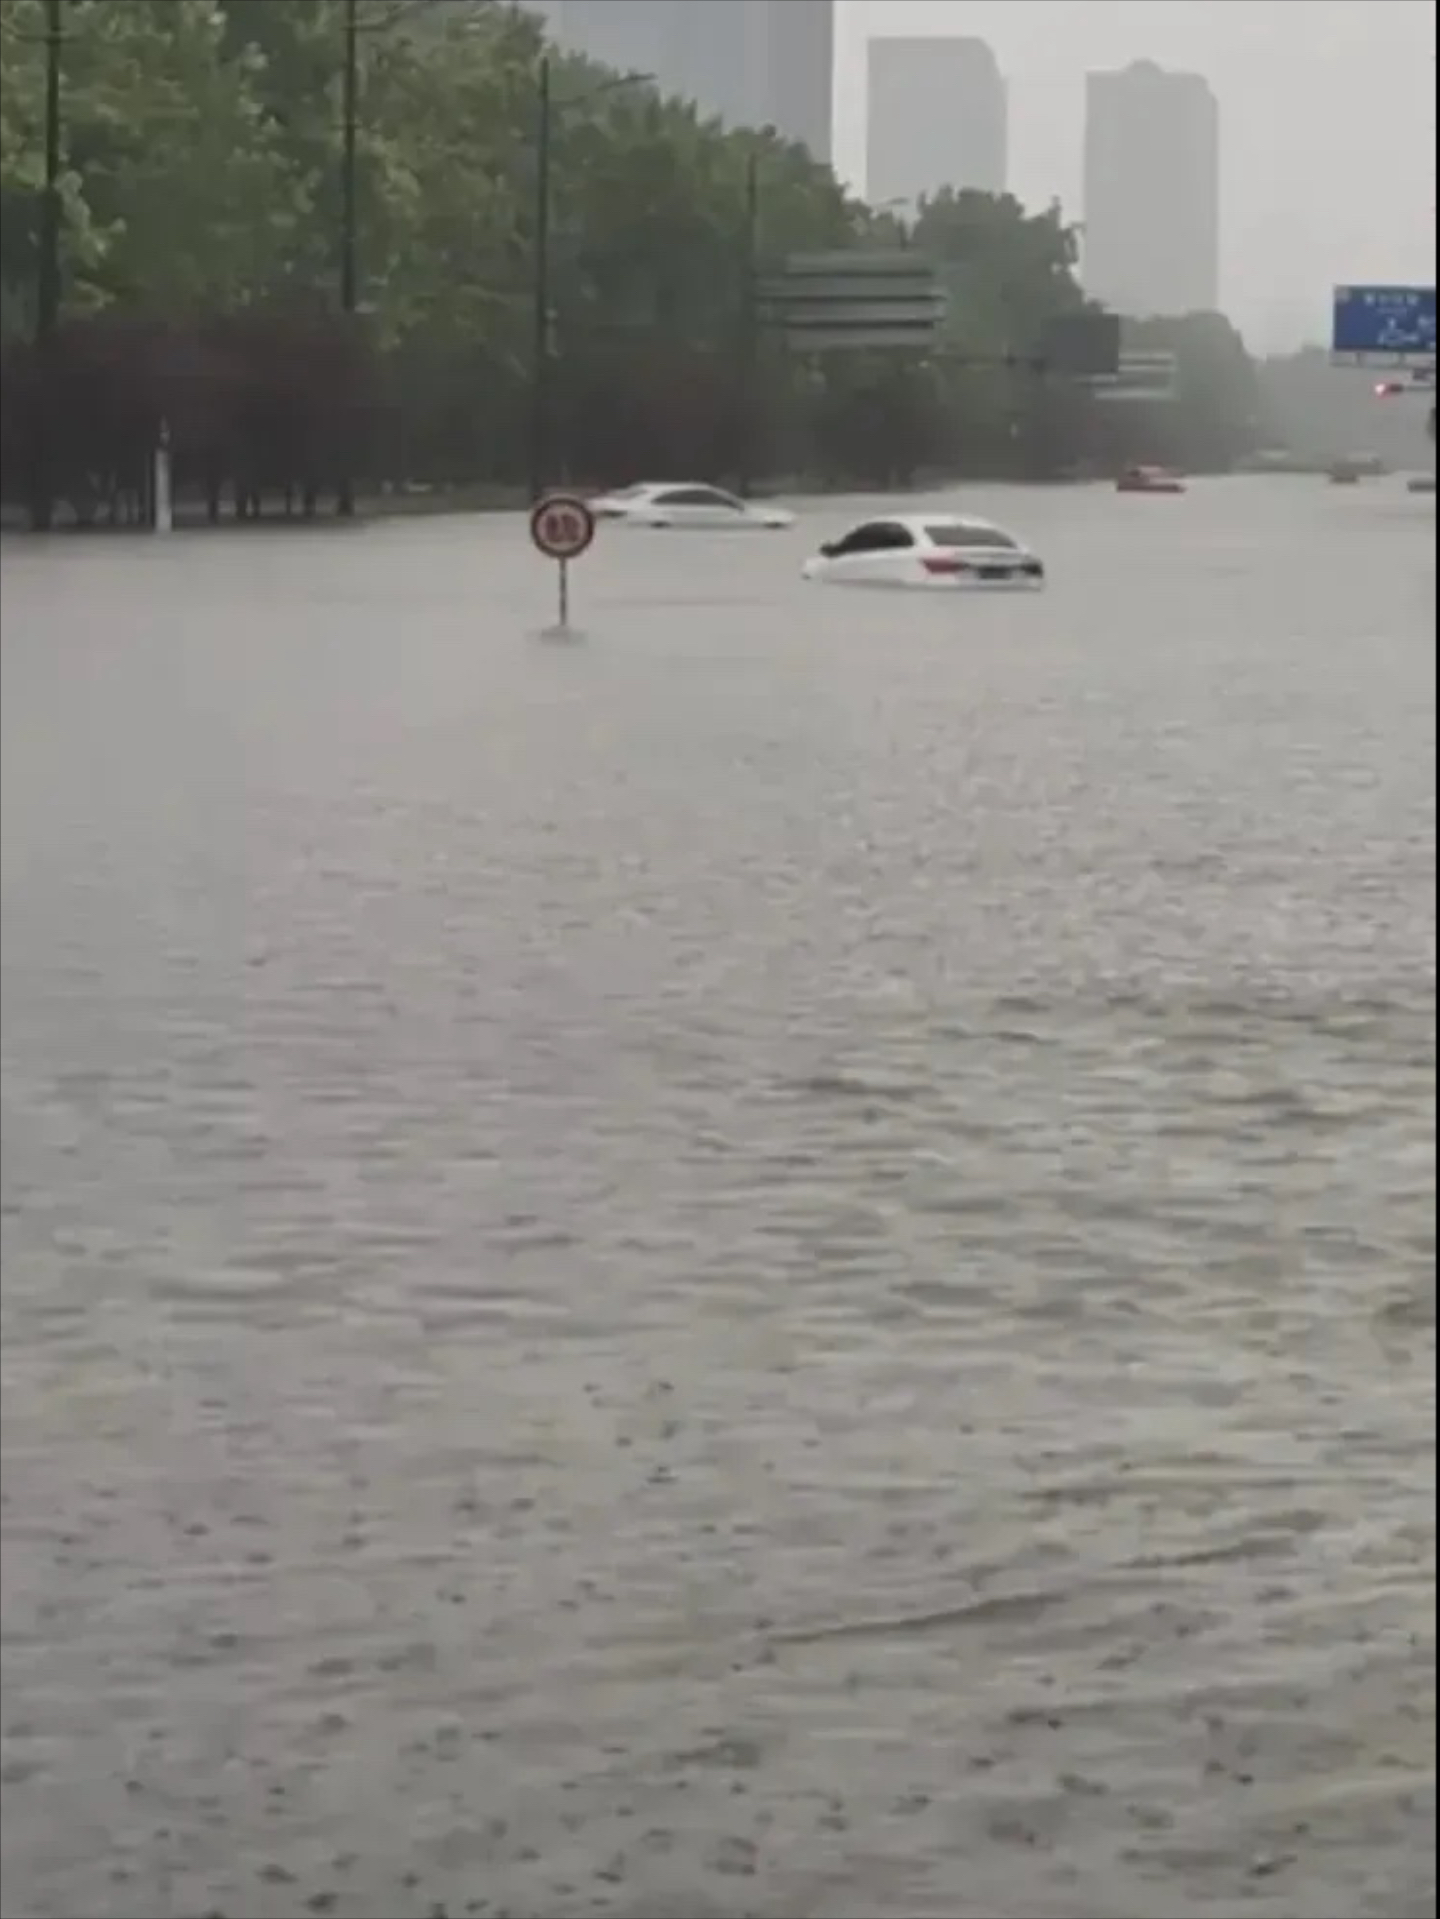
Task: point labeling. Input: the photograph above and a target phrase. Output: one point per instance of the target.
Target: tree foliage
(1217, 414)
(200, 188)
(1314, 413)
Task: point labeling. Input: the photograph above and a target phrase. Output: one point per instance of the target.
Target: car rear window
(949, 534)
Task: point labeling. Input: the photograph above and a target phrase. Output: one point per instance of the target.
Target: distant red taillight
(943, 563)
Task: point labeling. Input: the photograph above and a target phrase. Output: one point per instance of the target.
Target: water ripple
(752, 1268)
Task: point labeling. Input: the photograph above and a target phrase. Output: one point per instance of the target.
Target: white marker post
(562, 527)
(164, 503)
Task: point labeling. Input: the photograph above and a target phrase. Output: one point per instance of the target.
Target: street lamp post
(546, 108)
(349, 114)
(901, 211)
(749, 330)
(47, 287)
(540, 318)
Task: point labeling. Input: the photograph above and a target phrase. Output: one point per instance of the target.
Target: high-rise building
(747, 62)
(706, 53)
(618, 33)
(1151, 241)
(795, 69)
(937, 114)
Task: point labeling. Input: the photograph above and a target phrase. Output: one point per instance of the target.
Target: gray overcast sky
(1327, 126)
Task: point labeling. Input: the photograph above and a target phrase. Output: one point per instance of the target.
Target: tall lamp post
(349, 114)
(351, 305)
(749, 329)
(901, 211)
(540, 314)
(47, 288)
(546, 109)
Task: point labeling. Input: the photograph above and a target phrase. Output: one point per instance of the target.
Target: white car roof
(668, 486)
(918, 524)
(919, 521)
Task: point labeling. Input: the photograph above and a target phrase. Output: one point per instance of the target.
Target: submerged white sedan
(927, 550)
(688, 506)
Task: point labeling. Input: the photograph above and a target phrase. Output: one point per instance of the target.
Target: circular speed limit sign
(562, 526)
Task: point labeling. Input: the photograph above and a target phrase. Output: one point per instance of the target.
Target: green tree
(1217, 414)
(176, 195)
(22, 170)
(1008, 272)
(441, 95)
(202, 157)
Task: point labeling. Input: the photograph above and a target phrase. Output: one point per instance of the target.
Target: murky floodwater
(779, 1263)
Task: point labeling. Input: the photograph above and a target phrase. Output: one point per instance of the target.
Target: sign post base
(164, 506)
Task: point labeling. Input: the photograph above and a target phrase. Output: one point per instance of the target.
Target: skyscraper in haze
(937, 116)
(1152, 191)
(750, 62)
(618, 33)
(796, 70)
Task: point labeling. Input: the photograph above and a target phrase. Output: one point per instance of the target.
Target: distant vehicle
(935, 550)
(1274, 459)
(686, 506)
(1149, 479)
(1354, 467)
(1420, 483)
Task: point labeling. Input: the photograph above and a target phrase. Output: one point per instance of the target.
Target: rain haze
(717, 1198)
(1327, 117)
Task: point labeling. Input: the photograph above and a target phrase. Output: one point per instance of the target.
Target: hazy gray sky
(1327, 118)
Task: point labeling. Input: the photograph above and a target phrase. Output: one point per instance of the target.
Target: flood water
(779, 1261)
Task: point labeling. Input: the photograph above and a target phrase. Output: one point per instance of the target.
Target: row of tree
(202, 206)
(1318, 413)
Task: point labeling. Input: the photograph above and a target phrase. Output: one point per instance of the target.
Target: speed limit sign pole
(562, 527)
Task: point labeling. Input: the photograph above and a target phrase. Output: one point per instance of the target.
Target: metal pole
(540, 323)
(749, 328)
(162, 493)
(349, 111)
(47, 286)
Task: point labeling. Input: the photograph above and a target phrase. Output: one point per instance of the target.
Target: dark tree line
(200, 221)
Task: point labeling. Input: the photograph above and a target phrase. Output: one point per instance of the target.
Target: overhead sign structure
(834, 302)
(1083, 346)
(562, 528)
(1139, 377)
(1382, 326)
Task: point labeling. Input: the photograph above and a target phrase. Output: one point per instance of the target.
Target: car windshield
(956, 533)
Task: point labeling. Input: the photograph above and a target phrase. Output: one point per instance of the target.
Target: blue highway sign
(1381, 326)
